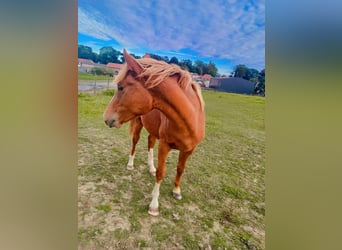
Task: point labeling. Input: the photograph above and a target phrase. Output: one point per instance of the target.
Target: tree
(187, 65)
(165, 59)
(261, 76)
(199, 67)
(108, 54)
(252, 75)
(86, 52)
(174, 60)
(240, 71)
(159, 58)
(260, 86)
(156, 57)
(211, 69)
(244, 72)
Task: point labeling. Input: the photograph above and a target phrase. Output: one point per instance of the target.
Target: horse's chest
(178, 136)
(180, 141)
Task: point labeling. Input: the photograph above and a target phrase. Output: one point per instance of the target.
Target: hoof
(176, 196)
(130, 167)
(153, 211)
(153, 173)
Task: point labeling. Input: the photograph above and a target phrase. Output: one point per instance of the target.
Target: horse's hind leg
(183, 157)
(135, 129)
(150, 162)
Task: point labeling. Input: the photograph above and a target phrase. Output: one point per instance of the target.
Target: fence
(95, 86)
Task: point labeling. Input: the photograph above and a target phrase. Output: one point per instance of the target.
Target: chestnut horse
(146, 84)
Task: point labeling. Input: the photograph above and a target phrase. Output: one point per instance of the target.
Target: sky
(225, 32)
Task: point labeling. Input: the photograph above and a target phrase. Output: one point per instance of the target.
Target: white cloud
(233, 30)
(89, 26)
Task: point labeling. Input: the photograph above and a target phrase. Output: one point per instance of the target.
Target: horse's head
(131, 98)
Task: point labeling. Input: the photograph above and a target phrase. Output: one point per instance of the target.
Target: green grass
(105, 208)
(223, 185)
(88, 76)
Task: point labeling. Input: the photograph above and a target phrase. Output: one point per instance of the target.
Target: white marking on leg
(130, 164)
(155, 194)
(150, 162)
(176, 190)
(176, 193)
(131, 160)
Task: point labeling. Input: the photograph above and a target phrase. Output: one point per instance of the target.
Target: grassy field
(223, 186)
(88, 76)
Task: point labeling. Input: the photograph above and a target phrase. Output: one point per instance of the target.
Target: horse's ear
(132, 64)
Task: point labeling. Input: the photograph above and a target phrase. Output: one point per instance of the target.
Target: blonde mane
(155, 72)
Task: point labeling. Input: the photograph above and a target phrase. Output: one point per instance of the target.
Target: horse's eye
(120, 88)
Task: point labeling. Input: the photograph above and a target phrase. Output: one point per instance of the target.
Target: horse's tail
(135, 122)
(198, 92)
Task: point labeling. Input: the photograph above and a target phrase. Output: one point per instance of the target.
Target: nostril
(110, 122)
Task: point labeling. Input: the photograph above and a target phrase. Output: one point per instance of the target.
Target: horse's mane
(155, 72)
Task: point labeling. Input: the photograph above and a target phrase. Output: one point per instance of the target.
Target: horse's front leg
(183, 157)
(163, 150)
(151, 142)
(136, 127)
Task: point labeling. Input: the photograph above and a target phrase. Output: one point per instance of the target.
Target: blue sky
(226, 32)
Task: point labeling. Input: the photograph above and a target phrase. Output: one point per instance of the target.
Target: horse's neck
(176, 105)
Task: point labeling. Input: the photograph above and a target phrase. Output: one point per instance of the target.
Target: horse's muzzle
(110, 122)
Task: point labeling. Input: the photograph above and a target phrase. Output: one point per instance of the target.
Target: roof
(206, 77)
(114, 65)
(85, 61)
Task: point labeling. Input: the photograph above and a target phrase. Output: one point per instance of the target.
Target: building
(85, 65)
(115, 66)
(206, 80)
(202, 80)
(232, 85)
